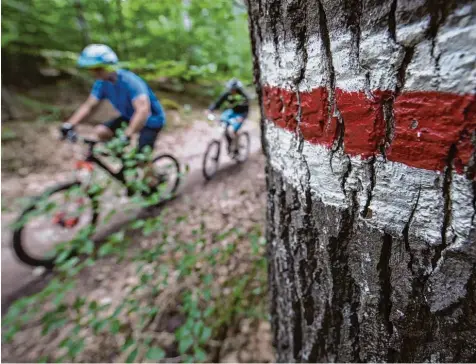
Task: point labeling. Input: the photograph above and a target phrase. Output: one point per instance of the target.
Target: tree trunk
(369, 128)
(9, 108)
(83, 25)
(105, 9)
(122, 46)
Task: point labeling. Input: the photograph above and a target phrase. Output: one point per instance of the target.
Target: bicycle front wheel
(54, 217)
(242, 147)
(167, 171)
(211, 159)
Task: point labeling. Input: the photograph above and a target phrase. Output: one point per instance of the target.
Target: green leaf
(199, 354)
(207, 294)
(138, 224)
(93, 305)
(98, 325)
(115, 326)
(257, 291)
(185, 343)
(62, 257)
(206, 334)
(208, 279)
(76, 347)
(69, 264)
(197, 328)
(117, 237)
(208, 311)
(132, 355)
(109, 215)
(155, 353)
(88, 247)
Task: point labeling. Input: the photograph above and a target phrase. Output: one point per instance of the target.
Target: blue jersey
(122, 92)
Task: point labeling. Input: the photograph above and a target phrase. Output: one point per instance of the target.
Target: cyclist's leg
(226, 115)
(237, 122)
(108, 129)
(147, 138)
(225, 118)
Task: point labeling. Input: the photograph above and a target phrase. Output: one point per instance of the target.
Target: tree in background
(188, 40)
(369, 130)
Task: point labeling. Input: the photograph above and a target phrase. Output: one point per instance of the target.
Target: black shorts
(147, 136)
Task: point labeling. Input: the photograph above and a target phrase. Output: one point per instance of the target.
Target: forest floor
(33, 158)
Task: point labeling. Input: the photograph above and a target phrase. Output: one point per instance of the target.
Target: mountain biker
(127, 92)
(236, 104)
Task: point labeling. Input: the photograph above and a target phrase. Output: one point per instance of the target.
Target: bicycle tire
(177, 167)
(245, 135)
(18, 241)
(209, 176)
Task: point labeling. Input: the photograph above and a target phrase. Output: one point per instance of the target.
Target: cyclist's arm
(84, 110)
(244, 94)
(218, 102)
(141, 113)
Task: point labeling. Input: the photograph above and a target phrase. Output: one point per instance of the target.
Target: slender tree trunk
(121, 26)
(9, 109)
(82, 23)
(105, 9)
(369, 127)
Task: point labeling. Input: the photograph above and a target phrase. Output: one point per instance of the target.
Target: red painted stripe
(365, 127)
(427, 123)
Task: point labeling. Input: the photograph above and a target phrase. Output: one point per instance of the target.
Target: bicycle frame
(116, 175)
(223, 126)
(91, 158)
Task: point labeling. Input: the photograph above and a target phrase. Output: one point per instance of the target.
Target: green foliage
(186, 270)
(169, 104)
(8, 134)
(188, 40)
(49, 112)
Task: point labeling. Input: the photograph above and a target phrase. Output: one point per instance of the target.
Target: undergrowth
(198, 279)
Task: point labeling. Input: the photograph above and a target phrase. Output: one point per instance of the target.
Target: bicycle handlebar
(74, 137)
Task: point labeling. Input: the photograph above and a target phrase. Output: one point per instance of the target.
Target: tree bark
(369, 128)
(9, 108)
(121, 26)
(83, 25)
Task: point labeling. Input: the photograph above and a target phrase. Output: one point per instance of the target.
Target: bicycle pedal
(71, 222)
(84, 165)
(59, 218)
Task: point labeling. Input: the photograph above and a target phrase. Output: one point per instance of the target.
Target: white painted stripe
(280, 70)
(456, 46)
(348, 75)
(463, 216)
(410, 34)
(395, 193)
(381, 57)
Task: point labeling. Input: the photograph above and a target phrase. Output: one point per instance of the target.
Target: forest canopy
(187, 40)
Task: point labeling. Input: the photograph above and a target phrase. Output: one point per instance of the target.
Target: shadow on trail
(228, 169)
(194, 180)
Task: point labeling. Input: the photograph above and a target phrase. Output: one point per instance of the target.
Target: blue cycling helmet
(234, 84)
(95, 55)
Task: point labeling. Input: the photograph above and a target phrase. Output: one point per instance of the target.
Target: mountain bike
(238, 149)
(60, 212)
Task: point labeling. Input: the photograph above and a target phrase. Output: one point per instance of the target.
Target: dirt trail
(44, 161)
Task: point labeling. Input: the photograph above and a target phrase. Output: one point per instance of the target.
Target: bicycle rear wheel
(211, 159)
(52, 218)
